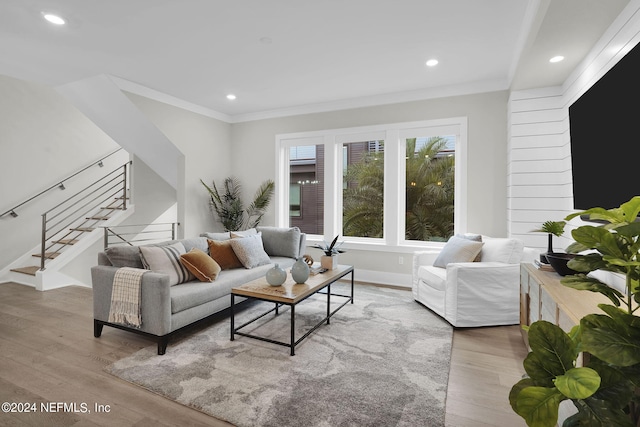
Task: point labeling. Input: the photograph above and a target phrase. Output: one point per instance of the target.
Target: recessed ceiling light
(54, 19)
(556, 58)
(231, 97)
(432, 63)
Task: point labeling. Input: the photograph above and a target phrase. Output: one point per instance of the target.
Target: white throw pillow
(166, 259)
(457, 249)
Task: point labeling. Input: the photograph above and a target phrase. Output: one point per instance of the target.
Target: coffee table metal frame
(280, 301)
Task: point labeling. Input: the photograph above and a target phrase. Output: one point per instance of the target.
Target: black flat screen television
(605, 137)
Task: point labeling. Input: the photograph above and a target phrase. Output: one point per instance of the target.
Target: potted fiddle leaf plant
(331, 250)
(605, 389)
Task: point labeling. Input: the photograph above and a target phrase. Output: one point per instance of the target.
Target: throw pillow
(201, 265)
(475, 238)
(457, 249)
(124, 256)
(502, 249)
(280, 241)
(222, 252)
(250, 251)
(166, 259)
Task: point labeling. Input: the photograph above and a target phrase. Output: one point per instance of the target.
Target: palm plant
(429, 191)
(429, 197)
(230, 209)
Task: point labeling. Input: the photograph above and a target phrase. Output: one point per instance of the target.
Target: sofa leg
(162, 345)
(97, 328)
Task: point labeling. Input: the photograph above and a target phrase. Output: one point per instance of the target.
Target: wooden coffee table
(290, 294)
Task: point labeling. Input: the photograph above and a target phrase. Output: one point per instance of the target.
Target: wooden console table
(543, 297)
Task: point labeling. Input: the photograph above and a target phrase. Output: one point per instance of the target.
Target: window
(391, 185)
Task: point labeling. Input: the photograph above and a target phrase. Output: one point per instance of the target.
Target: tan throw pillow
(222, 252)
(457, 249)
(201, 265)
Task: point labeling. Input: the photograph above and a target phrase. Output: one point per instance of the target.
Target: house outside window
(396, 185)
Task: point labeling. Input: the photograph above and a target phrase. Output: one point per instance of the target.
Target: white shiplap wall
(539, 181)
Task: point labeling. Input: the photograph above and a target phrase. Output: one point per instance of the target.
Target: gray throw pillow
(457, 249)
(279, 241)
(124, 256)
(250, 251)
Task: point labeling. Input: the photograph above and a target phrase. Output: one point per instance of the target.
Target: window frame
(394, 136)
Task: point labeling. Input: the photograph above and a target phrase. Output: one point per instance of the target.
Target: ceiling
(288, 55)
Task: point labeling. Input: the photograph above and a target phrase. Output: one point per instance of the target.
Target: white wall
(253, 159)
(43, 139)
(206, 145)
(540, 183)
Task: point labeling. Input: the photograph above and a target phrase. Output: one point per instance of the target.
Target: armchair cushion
(504, 250)
(458, 249)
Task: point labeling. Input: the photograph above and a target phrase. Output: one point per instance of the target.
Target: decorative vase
(276, 276)
(300, 271)
(329, 262)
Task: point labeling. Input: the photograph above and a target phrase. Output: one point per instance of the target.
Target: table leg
(293, 329)
(351, 286)
(232, 318)
(328, 303)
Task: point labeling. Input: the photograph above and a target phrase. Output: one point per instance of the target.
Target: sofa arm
(422, 258)
(155, 298)
(483, 292)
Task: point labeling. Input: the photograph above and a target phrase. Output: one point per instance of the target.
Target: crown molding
(141, 90)
(343, 104)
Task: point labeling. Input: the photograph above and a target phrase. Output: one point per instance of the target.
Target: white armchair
(481, 293)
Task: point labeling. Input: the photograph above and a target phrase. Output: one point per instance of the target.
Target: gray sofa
(167, 308)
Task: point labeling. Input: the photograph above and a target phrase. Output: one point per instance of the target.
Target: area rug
(382, 361)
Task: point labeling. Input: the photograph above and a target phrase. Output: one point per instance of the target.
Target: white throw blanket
(125, 297)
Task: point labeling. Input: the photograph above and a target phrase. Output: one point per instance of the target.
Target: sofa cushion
(243, 233)
(201, 265)
(250, 251)
(280, 241)
(222, 252)
(457, 249)
(124, 256)
(507, 250)
(166, 259)
(216, 236)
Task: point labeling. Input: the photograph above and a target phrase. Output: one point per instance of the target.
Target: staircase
(69, 224)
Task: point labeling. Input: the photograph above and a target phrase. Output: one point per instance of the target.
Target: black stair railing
(63, 224)
(59, 184)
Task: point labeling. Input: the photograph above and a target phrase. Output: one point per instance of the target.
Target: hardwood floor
(48, 354)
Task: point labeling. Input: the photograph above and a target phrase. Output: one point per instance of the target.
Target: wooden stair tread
(66, 241)
(101, 218)
(27, 270)
(83, 229)
(48, 255)
(112, 207)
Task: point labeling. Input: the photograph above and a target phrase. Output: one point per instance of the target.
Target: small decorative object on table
(553, 228)
(276, 276)
(330, 258)
(308, 259)
(300, 271)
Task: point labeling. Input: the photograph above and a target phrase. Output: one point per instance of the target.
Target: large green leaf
(587, 263)
(597, 413)
(554, 350)
(578, 383)
(585, 283)
(539, 406)
(609, 340)
(616, 385)
(597, 238)
(516, 389)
